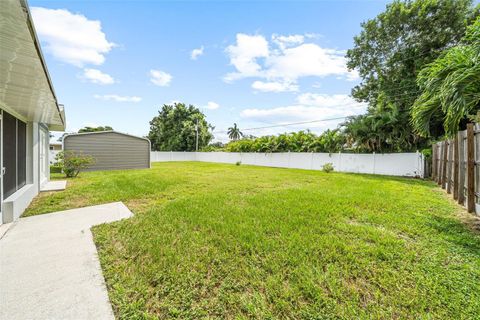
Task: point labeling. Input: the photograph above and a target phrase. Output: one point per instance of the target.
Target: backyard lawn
(233, 242)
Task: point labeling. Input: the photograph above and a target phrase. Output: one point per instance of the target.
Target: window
(14, 154)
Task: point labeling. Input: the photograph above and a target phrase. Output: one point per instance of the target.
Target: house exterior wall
(27, 95)
(56, 147)
(111, 150)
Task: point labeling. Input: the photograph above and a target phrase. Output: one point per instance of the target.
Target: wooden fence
(455, 166)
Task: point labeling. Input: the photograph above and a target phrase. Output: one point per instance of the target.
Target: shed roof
(101, 132)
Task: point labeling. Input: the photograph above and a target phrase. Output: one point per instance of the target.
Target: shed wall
(111, 150)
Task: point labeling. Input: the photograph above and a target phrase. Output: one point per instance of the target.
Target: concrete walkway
(49, 267)
(54, 185)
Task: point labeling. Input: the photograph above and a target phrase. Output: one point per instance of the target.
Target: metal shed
(112, 150)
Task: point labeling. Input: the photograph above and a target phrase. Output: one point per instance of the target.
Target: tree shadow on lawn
(460, 228)
(464, 235)
(404, 180)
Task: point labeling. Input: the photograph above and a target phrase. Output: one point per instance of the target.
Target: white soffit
(25, 86)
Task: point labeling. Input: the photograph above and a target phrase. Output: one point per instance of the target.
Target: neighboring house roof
(26, 90)
(55, 143)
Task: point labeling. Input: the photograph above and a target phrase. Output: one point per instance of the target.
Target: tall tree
(95, 129)
(234, 132)
(173, 129)
(393, 47)
(451, 86)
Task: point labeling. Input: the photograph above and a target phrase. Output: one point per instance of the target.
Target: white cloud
(339, 101)
(274, 86)
(209, 106)
(71, 38)
(305, 60)
(97, 76)
(353, 75)
(243, 56)
(287, 41)
(118, 98)
(309, 106)
(196, 53)
(212, 105)
(172, 102)
(160, 78)
(221, 136)
(291, 58)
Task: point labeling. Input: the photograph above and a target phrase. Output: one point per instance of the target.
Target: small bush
(327, 167)
(238, 163)
(71, 162)
(55, 169)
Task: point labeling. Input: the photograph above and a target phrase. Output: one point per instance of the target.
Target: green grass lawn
(241, 242)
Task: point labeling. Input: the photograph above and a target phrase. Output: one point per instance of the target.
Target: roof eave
(61, 111)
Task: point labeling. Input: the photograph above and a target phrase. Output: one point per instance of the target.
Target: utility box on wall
(112, 150)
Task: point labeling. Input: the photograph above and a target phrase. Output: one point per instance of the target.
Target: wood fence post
(470, 169)
(434, 160)
(440, 174)
(445, 164)
(438, 161)
(449, 166)
(439, 171)
(455, 168)
(461, 167)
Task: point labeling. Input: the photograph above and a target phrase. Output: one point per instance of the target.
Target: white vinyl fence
(395, 164)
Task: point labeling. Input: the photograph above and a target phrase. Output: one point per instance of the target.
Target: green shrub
(71, 162)
(427, 153)
(327, 167)
(302, 141)
(55, 169)
(213, 147)
(238, 163)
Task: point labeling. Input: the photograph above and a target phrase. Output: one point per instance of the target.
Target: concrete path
(55, 185)
(49, 267)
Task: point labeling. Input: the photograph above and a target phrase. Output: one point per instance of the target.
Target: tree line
(302, 141)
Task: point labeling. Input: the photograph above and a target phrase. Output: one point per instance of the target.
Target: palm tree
(451, 86)
(234, 132)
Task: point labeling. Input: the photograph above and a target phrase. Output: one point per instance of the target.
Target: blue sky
(254, 63)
